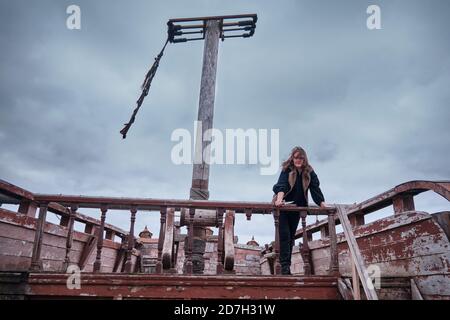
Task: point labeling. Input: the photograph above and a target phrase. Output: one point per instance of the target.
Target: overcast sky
(371, 107)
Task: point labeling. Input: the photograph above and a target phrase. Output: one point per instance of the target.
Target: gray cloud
(370, 107)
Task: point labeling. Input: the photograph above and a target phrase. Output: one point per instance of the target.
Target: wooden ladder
(356, 257)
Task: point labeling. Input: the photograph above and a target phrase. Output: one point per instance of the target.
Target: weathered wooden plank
(385, 199)
(162, 229)
(36, 262)
(415, 292)
(228, 240)
(13, 247)
(355, 281)
(87, 252)
(52, 246)
(156, 204)
(220, 242)
(200, 172)
(443, 220)
(356, 255)
(413, 230)
(344, 290)
(202, 217)
(28, 207)
(168, 239)
(69, 238)
(15, 191)
(26, 232)
(384, 224)
(432, 285)
(305, 251)
(15, 263)
(199, 287)
(334, 262)
(190, 243)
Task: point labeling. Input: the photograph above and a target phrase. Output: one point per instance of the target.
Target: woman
(297, 176)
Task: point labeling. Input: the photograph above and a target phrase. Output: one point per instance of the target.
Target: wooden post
(276, 217)
(167, 253)
(356, 219)
(305, 247)
(98, 258)
(88, 248)
(36, 263)
(324, 232)
(190, 242)
(69, 239)
(162, 228)
(229, 252)
(355, 281)
(220, 243)
(402, 203)
(28, 207)
(200, 174)
(128, 264)
(334, 263)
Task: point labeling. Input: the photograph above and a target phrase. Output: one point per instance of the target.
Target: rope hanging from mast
(237, 26)
(145, 88)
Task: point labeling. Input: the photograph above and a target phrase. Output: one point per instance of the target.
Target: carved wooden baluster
(305, 247)
(189, 266)
(162, 229)
(334, 263)
(248, 214)
(129, 263)
(36, 263)
(276, 216)
(98, 258)
(219, 268)
(69, 240)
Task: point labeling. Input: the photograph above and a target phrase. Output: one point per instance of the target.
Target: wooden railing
(166, 209)
(11, 194)
(68, 206)
(401, 198)
(68, 215)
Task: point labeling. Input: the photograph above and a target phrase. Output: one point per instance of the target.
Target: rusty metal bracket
(232, 26)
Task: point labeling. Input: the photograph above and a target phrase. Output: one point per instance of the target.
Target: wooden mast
(200, 174)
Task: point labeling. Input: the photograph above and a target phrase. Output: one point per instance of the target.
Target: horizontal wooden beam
(386, 199)
(155, 286)
(14, 191)
(149, 204)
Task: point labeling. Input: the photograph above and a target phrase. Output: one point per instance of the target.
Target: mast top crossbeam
(231, 26)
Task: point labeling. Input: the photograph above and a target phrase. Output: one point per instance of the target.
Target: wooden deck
(153, 286)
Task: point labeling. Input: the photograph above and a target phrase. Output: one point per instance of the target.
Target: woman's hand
(323, 205)
(279, 202)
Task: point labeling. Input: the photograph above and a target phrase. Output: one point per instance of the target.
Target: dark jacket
(298, 194)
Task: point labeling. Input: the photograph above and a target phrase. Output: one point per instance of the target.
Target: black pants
(288, 226)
